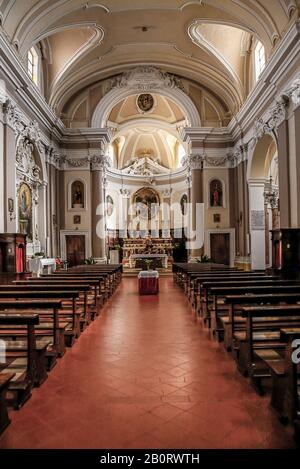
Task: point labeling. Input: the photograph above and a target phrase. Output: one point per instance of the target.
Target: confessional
(12, 253)
(286, 251)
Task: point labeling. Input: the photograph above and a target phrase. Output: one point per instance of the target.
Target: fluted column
(98, 208)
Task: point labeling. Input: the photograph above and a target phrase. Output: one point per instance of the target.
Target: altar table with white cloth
(148, 282)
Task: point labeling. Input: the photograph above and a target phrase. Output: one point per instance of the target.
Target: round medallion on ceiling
(145, 102)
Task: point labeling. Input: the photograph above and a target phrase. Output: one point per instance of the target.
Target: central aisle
(145, 374)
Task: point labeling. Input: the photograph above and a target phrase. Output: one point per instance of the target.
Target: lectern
(12, 253)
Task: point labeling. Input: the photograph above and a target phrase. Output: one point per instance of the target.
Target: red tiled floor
(146, 375)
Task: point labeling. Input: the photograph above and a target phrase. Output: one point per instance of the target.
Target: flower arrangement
(58, 263)
(90, 261)
(204, 259)
(148, 263)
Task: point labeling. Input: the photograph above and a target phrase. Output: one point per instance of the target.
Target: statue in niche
(77, 194)
(25, 211)
(216, 193)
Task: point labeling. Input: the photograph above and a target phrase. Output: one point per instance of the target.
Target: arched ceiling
(148, 141)
(91, 41)
(164, 109)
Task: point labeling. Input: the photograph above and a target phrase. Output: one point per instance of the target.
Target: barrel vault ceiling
(204, 41)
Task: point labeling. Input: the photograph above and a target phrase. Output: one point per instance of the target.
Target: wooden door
(220, 248)
(75, 246)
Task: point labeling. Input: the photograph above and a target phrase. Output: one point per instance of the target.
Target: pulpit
(12, 253)
(148, 282)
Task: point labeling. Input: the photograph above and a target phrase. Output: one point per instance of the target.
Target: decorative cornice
(145, 78)
(196, 161)
(77, 162)
(275, 116)
(215, 161)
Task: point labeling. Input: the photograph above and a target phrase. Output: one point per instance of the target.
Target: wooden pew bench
(83, 302)
(70, 315)
(5, 379)
(219, 293)
(198, 280)
(250, 343)
(234, 322)
(53, 331)
(89, 293)
(98, 282)
(24, 358)
(204, 284)
(285, 376)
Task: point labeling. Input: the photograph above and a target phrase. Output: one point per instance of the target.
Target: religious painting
(216, 193)
(77, 219)
(145, 102)
(25, 211)
(183, 203)
(109, 205)
(146, 201)
(217, 218)
(77, 191)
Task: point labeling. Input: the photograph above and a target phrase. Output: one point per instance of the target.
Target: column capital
(270, 123)
(293, 91)
(166, 193)
(126, 193)
(196, 160)
(98, 163)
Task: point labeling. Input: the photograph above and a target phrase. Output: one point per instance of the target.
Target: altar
(137, 250)
(133, 258)
(40, 266)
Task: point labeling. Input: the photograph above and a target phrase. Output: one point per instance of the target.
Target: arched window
(260, 59)
(32, 65)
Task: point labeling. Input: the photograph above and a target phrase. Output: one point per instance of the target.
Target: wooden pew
(251, 343)
(98, 282)
(5, 379)
(50, 323)
(242, 282)
(285, 375)
(198, 279)
(71, 314)
(204, 283)
(103, 280)
(26, 372)
(92, 300)
(234, 322)
(219, 293)
(82, 288)
(44, 332)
